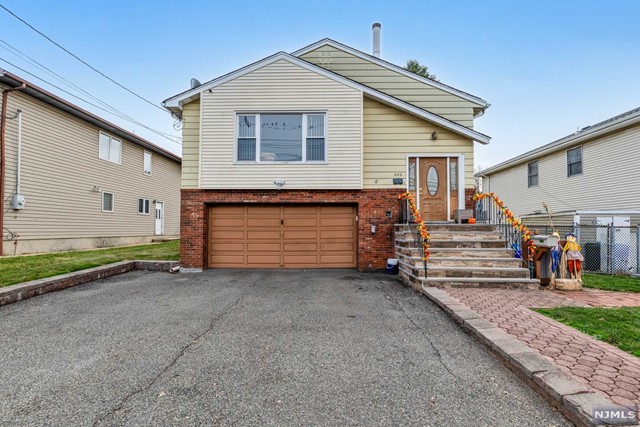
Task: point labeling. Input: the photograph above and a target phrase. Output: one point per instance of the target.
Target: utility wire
(58, 77)
(81, 60)
(92, 104)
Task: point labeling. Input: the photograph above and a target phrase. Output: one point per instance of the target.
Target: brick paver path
(600, 365)
(598, 298)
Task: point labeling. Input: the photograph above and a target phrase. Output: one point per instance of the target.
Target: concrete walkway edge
(21, 291)
(571, 397)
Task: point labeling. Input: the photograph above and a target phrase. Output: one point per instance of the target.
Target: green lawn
(617, 326)
(611, 283)
(31, 267)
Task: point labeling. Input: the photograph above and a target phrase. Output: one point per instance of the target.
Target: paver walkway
(598, 298)
(599, 365)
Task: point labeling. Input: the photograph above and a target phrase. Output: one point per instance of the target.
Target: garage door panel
(282, 236)
(258, 222)
(218, 246)
(301, 247)
(263, 234)
(224, 234)
(263, 247)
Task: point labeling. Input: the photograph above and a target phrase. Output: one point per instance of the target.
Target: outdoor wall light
(434, 135)
(96, 189)
(279, 183)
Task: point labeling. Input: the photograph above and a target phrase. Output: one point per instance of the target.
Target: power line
(162, 134)
(57, 76)
(81, 60)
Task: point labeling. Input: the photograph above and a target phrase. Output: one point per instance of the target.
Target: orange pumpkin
(472, 220)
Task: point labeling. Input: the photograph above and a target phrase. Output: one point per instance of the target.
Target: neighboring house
(589, 177)
(297, 160)
(72, 180)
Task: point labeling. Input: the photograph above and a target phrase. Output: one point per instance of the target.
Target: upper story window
(110, 148)
(281, 137)
(574, 161)
(532, 173)
(147, 163)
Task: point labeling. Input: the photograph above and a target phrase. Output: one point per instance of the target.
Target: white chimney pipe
(376, 39)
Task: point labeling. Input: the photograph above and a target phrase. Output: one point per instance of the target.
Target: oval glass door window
(432, 180)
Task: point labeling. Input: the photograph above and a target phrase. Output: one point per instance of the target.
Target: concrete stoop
(462, 256)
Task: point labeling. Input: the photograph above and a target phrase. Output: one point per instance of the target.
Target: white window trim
(304, 138)
(113, 201)
(566, 158)
(148, 202)
(537, 174)
(144, 171)
(110, 139)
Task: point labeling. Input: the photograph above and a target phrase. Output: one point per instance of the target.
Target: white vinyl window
(143, 206)
(147, 163)
(574, 161)
(281, 137)
(107, 202)
(532, 174)
(110, 148)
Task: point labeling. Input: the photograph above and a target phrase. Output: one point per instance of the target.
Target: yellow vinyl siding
(393, 83)
(609, 179)
(190, 144)
(390, 134)
(60, 167)
(278, 87)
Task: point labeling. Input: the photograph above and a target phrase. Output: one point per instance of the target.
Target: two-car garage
(282, 236)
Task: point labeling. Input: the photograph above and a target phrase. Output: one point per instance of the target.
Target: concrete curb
(572, 398)
(21, 291)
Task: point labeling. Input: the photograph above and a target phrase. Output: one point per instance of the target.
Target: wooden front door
(433, 189)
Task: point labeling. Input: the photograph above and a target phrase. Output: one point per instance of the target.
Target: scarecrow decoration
(573, 256)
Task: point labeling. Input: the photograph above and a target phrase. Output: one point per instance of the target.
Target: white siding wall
(281, 86)
(60, 167)
(610, 179)
(190, 144)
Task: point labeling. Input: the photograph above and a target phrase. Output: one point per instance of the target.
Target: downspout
(3, 133)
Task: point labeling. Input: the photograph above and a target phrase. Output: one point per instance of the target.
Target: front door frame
(461, 180)
(161, 219)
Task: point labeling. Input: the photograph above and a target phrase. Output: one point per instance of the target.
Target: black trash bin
(392, 266)
(591, 257)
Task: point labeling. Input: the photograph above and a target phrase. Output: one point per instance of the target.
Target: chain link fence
(607, 249)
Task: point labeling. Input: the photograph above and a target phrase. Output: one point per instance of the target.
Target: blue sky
(546, 67)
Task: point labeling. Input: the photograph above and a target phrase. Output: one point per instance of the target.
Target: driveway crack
(178, 356)
(424, 335)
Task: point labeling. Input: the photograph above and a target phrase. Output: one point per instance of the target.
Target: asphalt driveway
(251, 348)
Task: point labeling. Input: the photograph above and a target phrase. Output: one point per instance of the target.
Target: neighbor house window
(147, 163)
(281, 137)
(110, 148)
(107, 202)
(532, 173)
(143, 206)
(574, 161)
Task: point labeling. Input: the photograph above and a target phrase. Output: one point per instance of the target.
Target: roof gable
(174, 104)
(395, 68)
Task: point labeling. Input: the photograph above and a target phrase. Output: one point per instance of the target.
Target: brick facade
(468, 198)
(372, 207)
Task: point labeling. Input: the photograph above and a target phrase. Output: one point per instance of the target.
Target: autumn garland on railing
(422, 229)
(511, 219)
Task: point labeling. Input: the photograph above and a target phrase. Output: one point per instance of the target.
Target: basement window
(281, 138)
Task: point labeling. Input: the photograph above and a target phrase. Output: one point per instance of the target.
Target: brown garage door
(282, 236)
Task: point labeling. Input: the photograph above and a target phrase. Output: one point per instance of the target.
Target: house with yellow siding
(296, 160)
(72, 180)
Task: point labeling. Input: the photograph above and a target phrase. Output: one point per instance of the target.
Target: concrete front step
(477, 282)
(477, 272)
(450, 235)
(444, 261)
(466, 243)
(450, 227)
(459, 252)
